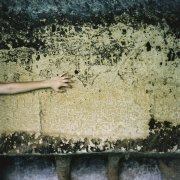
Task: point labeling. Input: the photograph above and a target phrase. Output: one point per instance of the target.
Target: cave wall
(124, 59)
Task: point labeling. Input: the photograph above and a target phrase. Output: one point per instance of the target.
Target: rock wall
(124, 59)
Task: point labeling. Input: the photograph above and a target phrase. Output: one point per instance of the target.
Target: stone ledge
(163, 137)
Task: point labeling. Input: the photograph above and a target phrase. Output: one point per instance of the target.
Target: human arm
(55, 83)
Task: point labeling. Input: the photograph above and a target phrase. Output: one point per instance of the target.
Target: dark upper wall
(86, 8)
(147, 11)
(16, 15)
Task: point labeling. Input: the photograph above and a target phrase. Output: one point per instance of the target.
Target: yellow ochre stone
(119, 83)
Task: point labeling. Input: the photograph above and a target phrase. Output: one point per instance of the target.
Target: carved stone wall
(124, 58)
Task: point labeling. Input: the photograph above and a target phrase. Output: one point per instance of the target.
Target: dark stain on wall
(171, 55)
(148, 46)
(21, 22)
(163, 137)
(21, 19)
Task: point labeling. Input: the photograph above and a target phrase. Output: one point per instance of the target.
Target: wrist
(46, 84)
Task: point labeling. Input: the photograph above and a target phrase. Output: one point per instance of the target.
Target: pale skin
(59, 84)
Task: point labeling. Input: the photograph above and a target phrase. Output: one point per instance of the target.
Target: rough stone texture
(63, 169)
(124, 59)
(20, 113)
(113, 167)
(169, 170)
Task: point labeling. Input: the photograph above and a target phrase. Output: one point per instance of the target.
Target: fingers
(65, 76)
(62, 82)
(62, 75)
(66, 85)
(62, 90)
(67, 81)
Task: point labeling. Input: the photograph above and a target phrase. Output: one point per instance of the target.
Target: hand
(60, 83)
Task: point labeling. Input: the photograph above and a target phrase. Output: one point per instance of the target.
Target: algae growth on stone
(124, 58)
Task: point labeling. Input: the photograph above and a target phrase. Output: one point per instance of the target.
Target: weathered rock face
(124, 58)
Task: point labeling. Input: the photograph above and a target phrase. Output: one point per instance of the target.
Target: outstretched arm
(55, 83)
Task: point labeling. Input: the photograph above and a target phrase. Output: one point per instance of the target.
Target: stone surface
(113, 167)
(169, 170)
(124, 58)
(63, 165)
(20, 113)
